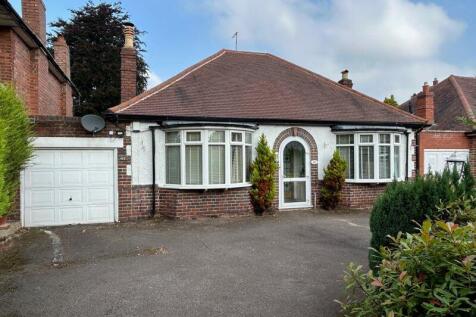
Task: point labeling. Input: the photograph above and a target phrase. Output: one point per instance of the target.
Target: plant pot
(3, 220)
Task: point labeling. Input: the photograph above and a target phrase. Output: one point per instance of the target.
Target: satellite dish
(93, 123)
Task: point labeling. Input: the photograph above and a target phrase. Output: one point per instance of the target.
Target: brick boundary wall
(308, 138)
(361, 196)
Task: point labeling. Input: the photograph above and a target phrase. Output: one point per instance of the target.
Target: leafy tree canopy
(391, 101)
(95, 38)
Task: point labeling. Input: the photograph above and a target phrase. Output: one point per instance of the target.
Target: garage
(437, 160)
(69, 186)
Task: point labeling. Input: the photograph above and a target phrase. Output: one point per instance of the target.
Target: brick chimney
(128, 64)
(425, 106)
(61, 50)
(34, 14)
(345, 79)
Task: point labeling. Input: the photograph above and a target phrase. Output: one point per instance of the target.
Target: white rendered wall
(141, 149)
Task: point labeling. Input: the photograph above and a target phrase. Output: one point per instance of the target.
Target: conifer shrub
(334, 179)
(403, 205)
(263, 171)
(15, 144)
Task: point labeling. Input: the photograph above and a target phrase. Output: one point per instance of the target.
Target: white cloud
(390, 46)
(153, 79)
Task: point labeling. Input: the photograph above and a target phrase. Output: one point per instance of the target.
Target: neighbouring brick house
(182, 149)
(447, 138)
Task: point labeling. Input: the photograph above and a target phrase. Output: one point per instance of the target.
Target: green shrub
(429, 273)
(403, 204)
(4, 197)
(263, 171)
(334, 179)
(460, 211)
(16, 147)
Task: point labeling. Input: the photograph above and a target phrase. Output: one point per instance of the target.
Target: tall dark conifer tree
(94, 35)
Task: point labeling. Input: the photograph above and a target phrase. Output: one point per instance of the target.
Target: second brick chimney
(425, 106)
(128, 64)
(34, 14)
(345, 79)
(61, 50)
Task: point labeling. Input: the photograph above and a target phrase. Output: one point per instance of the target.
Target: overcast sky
(389, 46)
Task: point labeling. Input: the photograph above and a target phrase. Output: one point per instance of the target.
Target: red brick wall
(190, 204)
(6, 55)
(361, 196)
(439, 140)
(28, 70)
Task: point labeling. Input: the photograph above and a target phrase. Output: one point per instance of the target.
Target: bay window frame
(205, 143)
(376, 152)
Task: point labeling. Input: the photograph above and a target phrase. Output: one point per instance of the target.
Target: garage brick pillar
(128, 64)
(472, 151)
(425, 106)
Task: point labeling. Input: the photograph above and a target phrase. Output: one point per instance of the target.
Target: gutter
(153, 118)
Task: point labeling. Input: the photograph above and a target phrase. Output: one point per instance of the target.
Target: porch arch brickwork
(306, 136)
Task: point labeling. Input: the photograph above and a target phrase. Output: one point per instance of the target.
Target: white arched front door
(294, 174)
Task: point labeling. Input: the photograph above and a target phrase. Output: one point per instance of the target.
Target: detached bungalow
(192, 138)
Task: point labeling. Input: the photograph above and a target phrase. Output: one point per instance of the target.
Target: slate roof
(248, 86)
(454, 97)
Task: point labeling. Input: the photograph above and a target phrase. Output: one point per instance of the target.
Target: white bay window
(207, 158)
(371, 157)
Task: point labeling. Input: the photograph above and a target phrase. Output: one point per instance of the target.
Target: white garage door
(436, 160)
(69, 187)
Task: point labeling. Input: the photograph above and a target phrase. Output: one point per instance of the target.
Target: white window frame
(376, 145)
(205, 142)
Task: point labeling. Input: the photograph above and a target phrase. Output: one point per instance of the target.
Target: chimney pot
(435, 81)
(345, 79)
(129, 32)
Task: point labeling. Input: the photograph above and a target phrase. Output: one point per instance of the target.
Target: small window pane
(172, 165)
(249, 154)
(397, 138)
(366, 158)
(384, 138)
(217, 136)
(384, 162)
(345, 139)
(236, 137)
(172, 137)
(294, 192)
(396, 162)
(368, 138)
(347, 153)
(193, 164)
(294, 157)
(216, 164)
(236, 163)
(248, 138)
(193, 136)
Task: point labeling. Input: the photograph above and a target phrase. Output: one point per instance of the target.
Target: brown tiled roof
(454, 97)
(261, 87)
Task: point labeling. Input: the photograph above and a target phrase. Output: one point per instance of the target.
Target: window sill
(372, 181)
(206, 187)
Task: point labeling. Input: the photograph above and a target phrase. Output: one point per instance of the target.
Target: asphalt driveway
(285, 265)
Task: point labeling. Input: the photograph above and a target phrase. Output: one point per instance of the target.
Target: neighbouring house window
(371, 156)
(208, 158)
